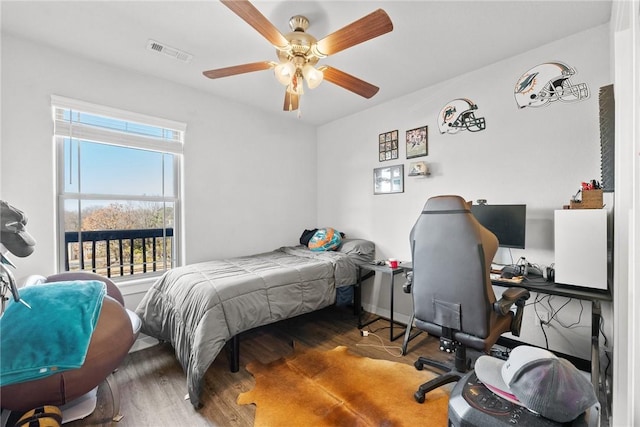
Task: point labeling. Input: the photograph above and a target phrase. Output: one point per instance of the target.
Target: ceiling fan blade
(290, 101)
(373, 25)
(238, 69)
(253, 17)
(349, 82)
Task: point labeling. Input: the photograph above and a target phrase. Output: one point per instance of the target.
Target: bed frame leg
(234, 354)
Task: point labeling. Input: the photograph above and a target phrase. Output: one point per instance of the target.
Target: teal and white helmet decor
(458, 115)
(547, 83)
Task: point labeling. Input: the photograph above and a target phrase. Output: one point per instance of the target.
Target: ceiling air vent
(169, 51)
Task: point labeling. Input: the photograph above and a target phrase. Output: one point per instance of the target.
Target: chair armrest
(511, 296)
(517, 296)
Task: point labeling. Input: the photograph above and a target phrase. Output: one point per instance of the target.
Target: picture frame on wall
(388, 146)
(417, 142)
(388, 179)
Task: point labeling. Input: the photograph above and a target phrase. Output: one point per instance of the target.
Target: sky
(115, 169)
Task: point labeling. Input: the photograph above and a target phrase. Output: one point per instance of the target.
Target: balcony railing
(119, 252)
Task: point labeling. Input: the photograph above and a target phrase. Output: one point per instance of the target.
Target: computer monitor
(507, 222)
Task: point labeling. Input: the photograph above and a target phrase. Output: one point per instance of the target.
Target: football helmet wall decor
(547, 83)
(458, 115)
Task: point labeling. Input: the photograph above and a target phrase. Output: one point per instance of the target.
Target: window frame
(65, 130)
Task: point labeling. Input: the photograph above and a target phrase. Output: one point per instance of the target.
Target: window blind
(91, 122)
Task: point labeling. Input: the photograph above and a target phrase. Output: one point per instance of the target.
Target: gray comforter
(198, 307)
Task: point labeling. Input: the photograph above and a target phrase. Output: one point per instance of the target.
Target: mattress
(199, 307)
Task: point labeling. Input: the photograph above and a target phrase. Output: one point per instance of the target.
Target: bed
(200, 307)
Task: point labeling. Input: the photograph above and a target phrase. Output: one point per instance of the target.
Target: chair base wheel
(418, 365)
(419, 396)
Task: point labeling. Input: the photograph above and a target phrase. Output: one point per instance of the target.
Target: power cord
(605, 381)
(552, 314)
(542, 322)
(606, 345)
(387, 348)
(555, 311)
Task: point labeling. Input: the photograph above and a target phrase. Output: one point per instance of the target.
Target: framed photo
(418, 169)
(388, 179)
(388, 146)
(417, 142)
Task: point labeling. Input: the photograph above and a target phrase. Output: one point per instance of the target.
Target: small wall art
(459, 114)
(418, 169)
(389, 179)
(417, 142)
(388, 146)
(547, 83)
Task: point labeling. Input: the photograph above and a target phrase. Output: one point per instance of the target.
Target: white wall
(533, 156)
(249, 177)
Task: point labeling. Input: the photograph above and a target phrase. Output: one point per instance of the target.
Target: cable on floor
(382, 345)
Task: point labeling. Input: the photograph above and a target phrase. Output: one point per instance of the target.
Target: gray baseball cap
(540, 381)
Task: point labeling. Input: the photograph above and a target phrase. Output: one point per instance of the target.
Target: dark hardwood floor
(153, 385)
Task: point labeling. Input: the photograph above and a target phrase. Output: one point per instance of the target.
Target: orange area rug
(338, 388)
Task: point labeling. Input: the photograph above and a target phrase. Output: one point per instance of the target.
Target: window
(118, 180)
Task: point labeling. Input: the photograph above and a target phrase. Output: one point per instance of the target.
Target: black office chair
(451, 288)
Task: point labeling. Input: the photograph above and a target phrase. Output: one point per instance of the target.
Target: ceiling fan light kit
(297, 60)
(284, 72)
(312, 75)
(298, 52)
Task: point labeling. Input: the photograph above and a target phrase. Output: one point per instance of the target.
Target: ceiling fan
(298, 52)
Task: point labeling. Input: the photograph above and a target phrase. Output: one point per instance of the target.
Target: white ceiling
(432, 41)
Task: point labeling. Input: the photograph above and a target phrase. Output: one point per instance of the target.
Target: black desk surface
(551, 288)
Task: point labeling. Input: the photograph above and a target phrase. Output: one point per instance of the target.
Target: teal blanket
(54, 335)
